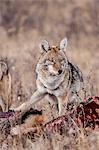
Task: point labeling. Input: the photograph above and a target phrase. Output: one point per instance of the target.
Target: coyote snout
(55, 69)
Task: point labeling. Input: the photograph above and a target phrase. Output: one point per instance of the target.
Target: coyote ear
(44, 45)
(63, 44)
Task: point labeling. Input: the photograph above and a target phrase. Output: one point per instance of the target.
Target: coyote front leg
(27, 105)
(61, 100)
(59, 106)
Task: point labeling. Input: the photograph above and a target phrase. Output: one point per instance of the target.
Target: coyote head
(53, 63)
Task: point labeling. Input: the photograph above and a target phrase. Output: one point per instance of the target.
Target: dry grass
(23, 24)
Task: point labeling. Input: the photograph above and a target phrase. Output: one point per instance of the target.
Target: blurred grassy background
(73, 18)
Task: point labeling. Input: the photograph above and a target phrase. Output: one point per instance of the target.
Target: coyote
(5, 86)
(57, 77)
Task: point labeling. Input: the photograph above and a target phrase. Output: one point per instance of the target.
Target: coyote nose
(59, 71)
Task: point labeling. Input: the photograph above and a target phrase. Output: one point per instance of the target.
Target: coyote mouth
(58, 74)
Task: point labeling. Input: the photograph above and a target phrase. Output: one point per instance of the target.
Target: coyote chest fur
(55, 76)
